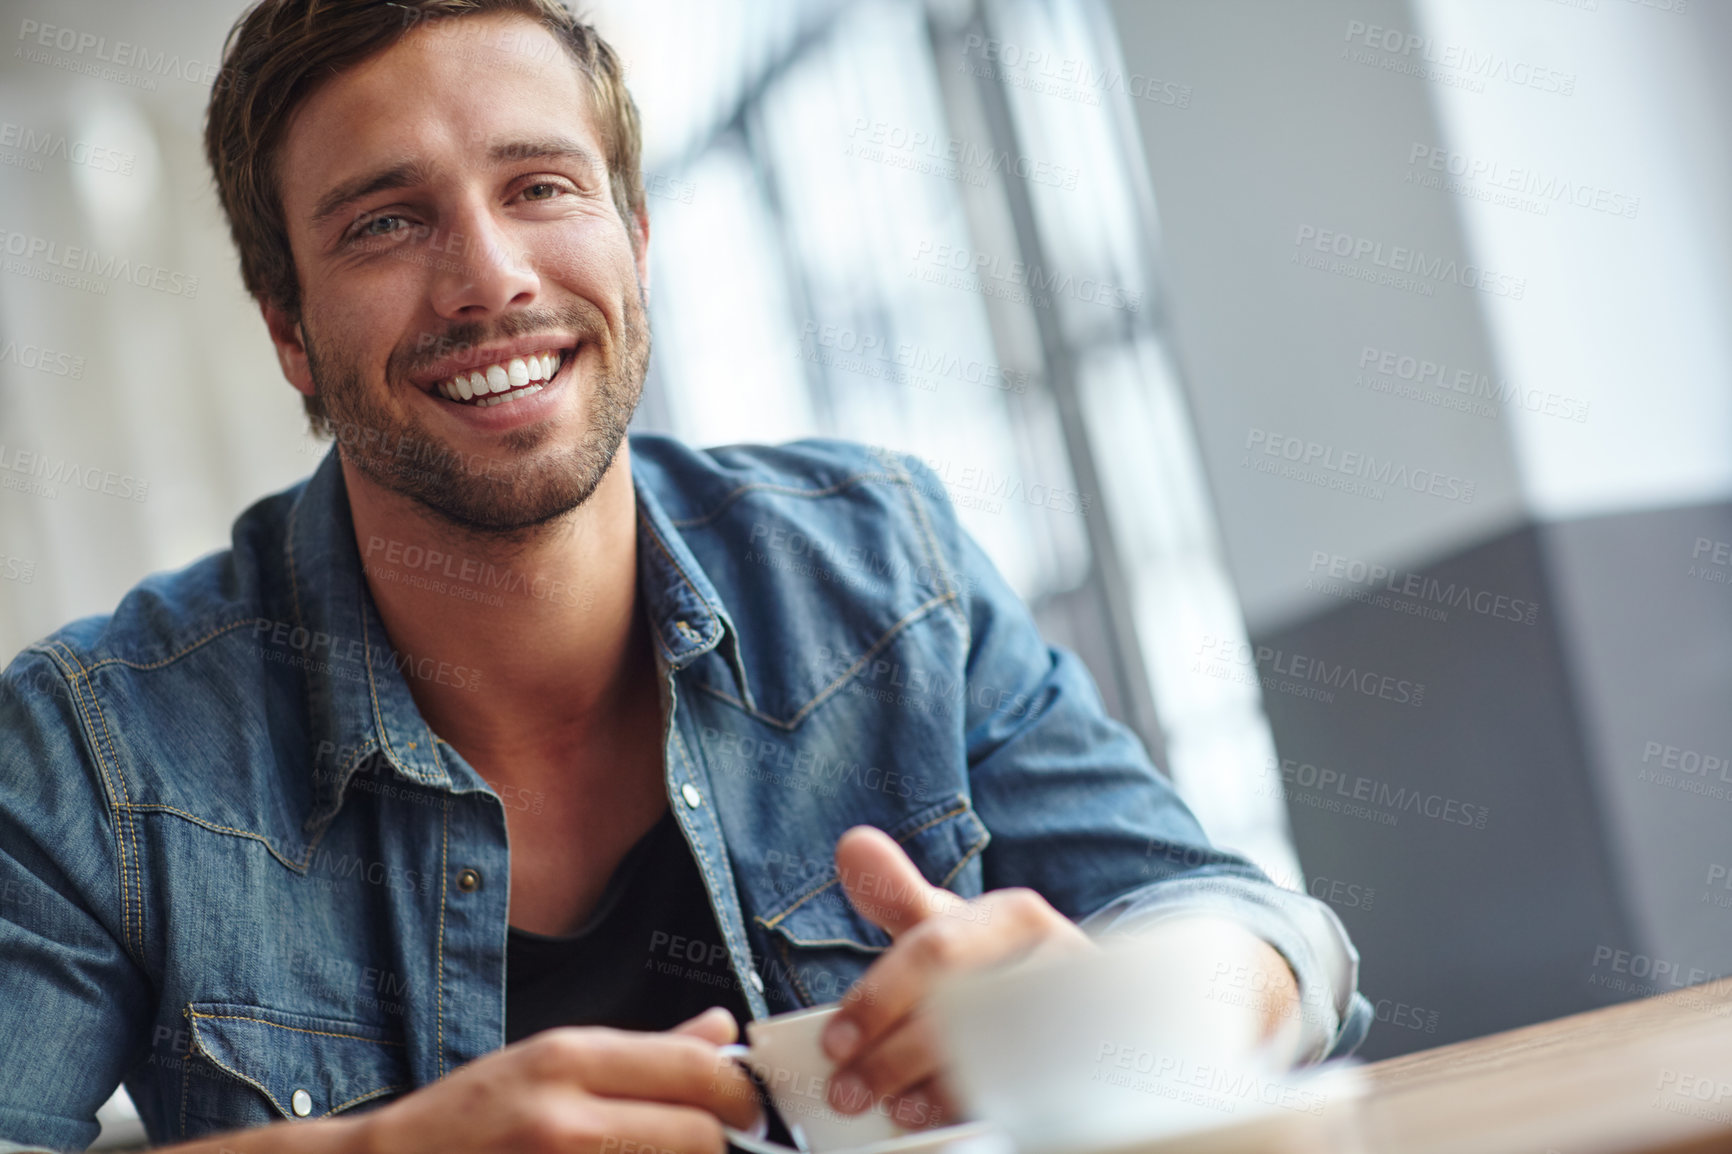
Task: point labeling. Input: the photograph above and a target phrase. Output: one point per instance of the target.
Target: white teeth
(487, 402)
(511, 377)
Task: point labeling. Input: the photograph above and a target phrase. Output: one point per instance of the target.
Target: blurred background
(1346, 382)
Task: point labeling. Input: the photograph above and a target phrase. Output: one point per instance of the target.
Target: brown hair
(279, 51)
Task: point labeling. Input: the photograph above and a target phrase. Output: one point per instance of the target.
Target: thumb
(715, 1025)
(882, 883)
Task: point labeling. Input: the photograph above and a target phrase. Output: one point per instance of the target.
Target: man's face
(448, 207)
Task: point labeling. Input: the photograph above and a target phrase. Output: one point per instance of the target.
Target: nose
(481, 273)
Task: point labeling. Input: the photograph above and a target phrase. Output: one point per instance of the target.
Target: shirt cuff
(1333, 1016)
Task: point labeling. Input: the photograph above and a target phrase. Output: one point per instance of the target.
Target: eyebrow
(412, 172)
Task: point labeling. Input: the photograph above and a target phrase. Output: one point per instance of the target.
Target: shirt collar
(358, 699)
(685, 612)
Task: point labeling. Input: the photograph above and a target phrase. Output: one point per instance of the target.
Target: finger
(672, 1068)
(994, 927)
(653, 1127)
(881, 882)
(905, 1057)
(715, 1025)
(925, 1106)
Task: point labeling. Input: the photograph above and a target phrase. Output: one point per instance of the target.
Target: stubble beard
(512, 492)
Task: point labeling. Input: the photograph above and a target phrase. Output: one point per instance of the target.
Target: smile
(502, 382)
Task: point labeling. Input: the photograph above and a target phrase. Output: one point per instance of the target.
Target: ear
(287, 335)
(640, 236)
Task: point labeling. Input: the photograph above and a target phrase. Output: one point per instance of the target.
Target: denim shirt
(239, 872)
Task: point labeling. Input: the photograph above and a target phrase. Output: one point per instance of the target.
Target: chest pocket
(822, 944)
(247, 1066)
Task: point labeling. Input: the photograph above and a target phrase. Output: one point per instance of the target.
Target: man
(501, 729)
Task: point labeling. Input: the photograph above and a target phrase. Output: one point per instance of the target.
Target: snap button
(757, 982)
(301, 1103)
(468, 880)
(691, 794)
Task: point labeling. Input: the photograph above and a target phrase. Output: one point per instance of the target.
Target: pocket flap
(939, 840)
(337, 1064)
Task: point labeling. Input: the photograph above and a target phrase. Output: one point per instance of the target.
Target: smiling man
(444, 809)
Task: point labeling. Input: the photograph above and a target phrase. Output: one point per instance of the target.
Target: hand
(580, 1089)
(881, 1040)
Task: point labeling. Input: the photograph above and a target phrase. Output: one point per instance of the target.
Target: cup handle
(756, 1144)
(761, 1128)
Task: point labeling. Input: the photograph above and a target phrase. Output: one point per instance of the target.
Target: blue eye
(372, 227)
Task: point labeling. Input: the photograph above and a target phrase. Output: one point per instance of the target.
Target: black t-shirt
(650, 956)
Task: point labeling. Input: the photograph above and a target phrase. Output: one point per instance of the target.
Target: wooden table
(1651, 1076)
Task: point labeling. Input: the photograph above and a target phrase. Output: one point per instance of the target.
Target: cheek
(593, 260)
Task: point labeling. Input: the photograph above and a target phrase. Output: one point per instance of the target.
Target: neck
(552, 625)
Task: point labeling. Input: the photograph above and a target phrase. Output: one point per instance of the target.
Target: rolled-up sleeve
(1077, 811)
(73, 1004)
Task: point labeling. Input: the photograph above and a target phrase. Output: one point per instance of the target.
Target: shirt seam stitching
(940, 563)
(199, 1014)
(734, 495)
(960, 807)
(124, 827)
(162, 807)
(842, 678)
(444, 899)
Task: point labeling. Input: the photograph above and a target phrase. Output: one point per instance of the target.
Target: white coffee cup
(1146, 1037)
(784, 1052)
